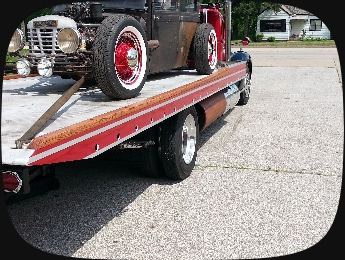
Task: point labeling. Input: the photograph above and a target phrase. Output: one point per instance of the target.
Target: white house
(291, 23)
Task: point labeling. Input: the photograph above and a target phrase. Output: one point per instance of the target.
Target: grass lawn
(286, 44)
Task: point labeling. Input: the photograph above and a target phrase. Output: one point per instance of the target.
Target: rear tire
(150, 163)
(179, 144)
(120, 57)
(205, 49)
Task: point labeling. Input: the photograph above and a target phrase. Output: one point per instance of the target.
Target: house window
(315, 25)
(273, 25)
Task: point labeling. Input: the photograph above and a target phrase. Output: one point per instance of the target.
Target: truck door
(174, 24)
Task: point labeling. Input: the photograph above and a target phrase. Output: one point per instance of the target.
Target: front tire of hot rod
(120, 57)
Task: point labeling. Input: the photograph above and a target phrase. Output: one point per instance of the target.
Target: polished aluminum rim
(188, 139)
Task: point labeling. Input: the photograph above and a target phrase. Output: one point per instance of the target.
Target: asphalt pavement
(267, 179)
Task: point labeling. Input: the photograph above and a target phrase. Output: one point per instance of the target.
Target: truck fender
(243, 56)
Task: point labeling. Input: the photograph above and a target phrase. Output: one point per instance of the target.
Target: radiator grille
(43, 41)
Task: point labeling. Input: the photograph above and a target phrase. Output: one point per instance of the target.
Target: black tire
(245, 84)
(179, 144)
(150, 162)
(205, 49)
(124, 76)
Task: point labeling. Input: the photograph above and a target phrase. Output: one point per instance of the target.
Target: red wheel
(212, 49)
(129, 58)
(120, 62)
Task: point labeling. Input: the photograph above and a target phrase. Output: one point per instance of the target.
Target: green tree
(244, 16)
(44, 11)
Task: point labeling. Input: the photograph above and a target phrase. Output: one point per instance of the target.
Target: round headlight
(23, 67)
(17, 41)
(45, 68)
(68, 40)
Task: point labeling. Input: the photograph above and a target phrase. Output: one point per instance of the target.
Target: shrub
(10, 58)
(271, 39)
(259, 37)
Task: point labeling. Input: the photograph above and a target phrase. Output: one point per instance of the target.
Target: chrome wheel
(188, 139)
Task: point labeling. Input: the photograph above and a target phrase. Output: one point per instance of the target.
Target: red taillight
(11, 181)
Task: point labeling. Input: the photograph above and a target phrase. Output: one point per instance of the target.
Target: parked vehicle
(165, 72)
(118, 43)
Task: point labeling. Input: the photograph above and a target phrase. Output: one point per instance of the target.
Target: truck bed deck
(90, 122)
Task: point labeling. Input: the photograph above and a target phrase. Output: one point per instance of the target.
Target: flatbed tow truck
(43, 123)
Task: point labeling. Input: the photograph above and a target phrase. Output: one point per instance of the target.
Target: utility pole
(228, 29)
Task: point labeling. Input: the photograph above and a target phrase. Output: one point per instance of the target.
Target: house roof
(292, 10)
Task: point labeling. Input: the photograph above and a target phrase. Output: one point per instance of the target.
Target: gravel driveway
(267, 181)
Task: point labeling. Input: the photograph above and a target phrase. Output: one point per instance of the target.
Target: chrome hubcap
(132, 57)
(188, 139)
(248, 82)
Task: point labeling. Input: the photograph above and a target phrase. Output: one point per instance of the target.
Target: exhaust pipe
(218, 104)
